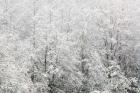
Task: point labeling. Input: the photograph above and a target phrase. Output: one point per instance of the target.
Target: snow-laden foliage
(69, 46)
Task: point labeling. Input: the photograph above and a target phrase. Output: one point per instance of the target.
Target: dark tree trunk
(45, 61)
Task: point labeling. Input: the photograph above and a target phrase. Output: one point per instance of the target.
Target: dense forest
(69, 46)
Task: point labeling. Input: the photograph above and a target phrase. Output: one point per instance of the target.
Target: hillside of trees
(69, 46)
